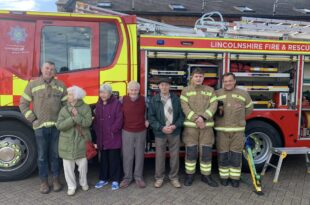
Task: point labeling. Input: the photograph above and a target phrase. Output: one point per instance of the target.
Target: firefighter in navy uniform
(199, 105)
(234, 106)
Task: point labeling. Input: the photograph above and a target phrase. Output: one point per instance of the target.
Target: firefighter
(199, 104)
(234, 106)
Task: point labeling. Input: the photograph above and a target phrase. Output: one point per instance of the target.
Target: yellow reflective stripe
(182, 97)
(192, 124)
(26, 97)
(224, 170)
(213, 99)
(235, 174)
(46, 124)
(238, 97)
(209, 113)
(235, 170)
(190, 164)
(37, 88)
(205, 165)
(206, 93)
(64, 98)
(221, 97)
(190, 115)
(249, 105)
(191, 93)
(58, 88)
(229, 129)
(28, 113)
(224, 174)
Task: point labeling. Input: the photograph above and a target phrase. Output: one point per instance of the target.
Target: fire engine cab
(270, 58)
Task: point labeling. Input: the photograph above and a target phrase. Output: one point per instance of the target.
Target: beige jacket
(46, 98)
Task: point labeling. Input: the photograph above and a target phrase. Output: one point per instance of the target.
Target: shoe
(208, 180)
(140, 183)
(56, 184)
(224, 182)
(44, 187)
(85, 188)
(175, 183)
(158, 183)
(71, 192)
(115, 186)
(189, 178)
(235, 183)
(124, 184)
(100, 184)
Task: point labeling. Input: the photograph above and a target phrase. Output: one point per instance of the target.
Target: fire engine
(270, 58)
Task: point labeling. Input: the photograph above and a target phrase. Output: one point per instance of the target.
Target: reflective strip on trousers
(238, 97)
(190, 115)
(205, 168)
(192, 124)
(46, 124)
(233, 172)
(224, 172)
(182, 97)
(190, 167)
(229, 129)
(249, 105)
(26, 97)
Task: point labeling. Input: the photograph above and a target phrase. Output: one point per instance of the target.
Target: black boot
(224, 182)
(234, 183)
(208, 180)
(189, 178)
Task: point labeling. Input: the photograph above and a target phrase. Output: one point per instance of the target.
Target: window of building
(68, 47)
(108, 41)
(244, 9)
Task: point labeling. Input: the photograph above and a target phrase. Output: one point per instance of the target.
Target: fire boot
(189, 178)
(208, 180)
(224, 182)
(44, 188)
(56, 184)
(234, 183)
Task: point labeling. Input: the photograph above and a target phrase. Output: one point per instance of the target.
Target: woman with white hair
(133, 136)
(108, 126)
(73, 122)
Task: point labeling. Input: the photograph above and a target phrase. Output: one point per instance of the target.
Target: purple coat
(108, 124)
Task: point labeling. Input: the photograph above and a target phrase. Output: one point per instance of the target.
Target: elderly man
(47, 96)
(166, 119)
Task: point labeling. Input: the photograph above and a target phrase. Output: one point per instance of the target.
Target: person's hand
(167, 130)
(74, 111)
(172, 127)
(95, 145)
(147, 123)
(201, 125)
(199, 120)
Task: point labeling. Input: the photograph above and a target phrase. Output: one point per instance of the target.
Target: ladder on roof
(208, 26)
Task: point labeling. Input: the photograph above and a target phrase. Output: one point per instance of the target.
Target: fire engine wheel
(17, 151)
(262, 136)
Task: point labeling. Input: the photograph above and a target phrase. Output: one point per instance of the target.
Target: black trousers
(110, 165)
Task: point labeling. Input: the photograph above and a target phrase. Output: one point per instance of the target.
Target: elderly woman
(133, 135)
(73, 122)
(108, 127)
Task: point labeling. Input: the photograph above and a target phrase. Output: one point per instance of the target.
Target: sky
(28, 5)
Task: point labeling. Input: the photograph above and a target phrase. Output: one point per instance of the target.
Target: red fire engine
(91, 49)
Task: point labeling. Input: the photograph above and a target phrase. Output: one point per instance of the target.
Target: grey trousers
(174, 147)
(133, 152)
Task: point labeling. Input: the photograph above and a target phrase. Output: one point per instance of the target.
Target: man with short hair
(166, 119)
(199, 104)
(47, 95)
(234, 105)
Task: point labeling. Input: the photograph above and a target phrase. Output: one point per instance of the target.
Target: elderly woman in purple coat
(108, 127)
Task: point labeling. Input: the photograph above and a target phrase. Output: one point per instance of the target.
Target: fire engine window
(68, 47)
(108, 43)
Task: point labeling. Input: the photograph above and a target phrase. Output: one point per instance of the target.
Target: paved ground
(293, 188)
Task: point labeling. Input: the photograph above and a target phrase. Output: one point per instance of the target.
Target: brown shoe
(140, 183)
(124, 184)
(56, 184)
(44, 188)
(158, 183)
(175, 183)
